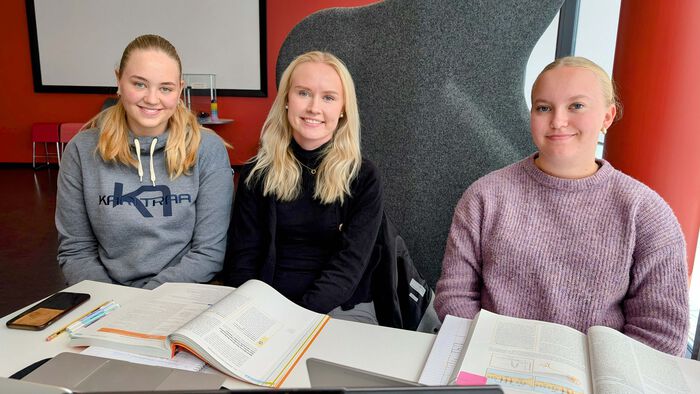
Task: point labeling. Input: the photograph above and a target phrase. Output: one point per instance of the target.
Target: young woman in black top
(308, 207)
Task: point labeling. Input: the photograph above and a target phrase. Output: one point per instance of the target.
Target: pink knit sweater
(603, 250)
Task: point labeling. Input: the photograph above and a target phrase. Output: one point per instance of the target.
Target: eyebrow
(579, 96)
(324, 92)
(576, 97)
(140, 78)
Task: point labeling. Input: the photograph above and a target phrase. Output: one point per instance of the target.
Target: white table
(393, 352)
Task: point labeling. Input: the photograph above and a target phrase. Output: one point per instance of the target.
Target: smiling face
(315, 104)
(150, 88)
(568, 111)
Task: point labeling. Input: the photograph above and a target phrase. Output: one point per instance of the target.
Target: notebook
(85, 373)
(327, 374)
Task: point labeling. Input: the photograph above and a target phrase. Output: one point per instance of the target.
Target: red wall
(657, 139)
(20, 106)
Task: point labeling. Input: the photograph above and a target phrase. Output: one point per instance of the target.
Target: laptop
(15, 386)
(79, 372)
(327, 374)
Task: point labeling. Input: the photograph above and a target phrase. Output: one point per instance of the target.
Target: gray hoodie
(140, 228)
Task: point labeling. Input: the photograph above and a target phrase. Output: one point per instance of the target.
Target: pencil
(62, 330)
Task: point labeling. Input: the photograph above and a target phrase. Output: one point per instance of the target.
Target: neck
(567, 169)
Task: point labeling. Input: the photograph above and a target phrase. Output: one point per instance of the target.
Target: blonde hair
(185, 134)
(275, 164)
(607, 85)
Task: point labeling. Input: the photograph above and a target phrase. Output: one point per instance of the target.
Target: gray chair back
(440, 90)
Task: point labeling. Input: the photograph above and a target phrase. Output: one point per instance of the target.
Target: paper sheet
(446, 350)
(182, 360)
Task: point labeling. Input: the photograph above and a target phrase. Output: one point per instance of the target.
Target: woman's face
(150, 88)
(568, 111)
(315, 104)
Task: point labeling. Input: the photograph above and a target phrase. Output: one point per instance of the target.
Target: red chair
(68, 131)
(45, 133)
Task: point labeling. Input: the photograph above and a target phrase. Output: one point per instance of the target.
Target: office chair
(45, 133)
(440, 90)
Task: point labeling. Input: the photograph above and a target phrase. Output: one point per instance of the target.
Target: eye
(139, 84)
(166, 89)
(304, 93)
(542, 108)
(576, 106)
(329, 98)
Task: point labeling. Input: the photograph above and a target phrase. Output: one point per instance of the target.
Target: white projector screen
(77, 44)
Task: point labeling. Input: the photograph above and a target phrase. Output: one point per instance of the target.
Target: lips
(150, 111)
(559, 137)
(310, 121)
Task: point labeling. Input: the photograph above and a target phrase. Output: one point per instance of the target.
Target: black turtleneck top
(317, 255)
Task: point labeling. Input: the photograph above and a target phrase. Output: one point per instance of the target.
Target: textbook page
(142, 325)
(526, 355)
(621, 364)
(444, 355)
(255, 334)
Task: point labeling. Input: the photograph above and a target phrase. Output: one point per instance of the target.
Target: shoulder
(212, 150)
(82, 144)
(652, 218)
(368, 176)
(369, 169)
(85, 139)
(623, 187)
(210, 141)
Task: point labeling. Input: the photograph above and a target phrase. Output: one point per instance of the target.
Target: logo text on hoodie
(165, 200)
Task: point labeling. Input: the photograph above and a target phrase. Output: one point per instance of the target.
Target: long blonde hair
(185, 134)
(275, 164)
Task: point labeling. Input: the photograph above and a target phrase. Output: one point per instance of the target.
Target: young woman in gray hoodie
(144, 194)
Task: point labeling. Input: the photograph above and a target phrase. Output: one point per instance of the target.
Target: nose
(313, 106)
(559, 119)
(151, 96)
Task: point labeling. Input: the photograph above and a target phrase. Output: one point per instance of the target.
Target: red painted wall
(20, 106)
(656, 70)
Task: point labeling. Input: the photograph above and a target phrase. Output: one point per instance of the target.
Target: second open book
(525, 355)
(252, 333)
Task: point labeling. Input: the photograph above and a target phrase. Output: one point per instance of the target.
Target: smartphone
(48, 311)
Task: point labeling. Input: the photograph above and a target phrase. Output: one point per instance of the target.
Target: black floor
(28, 267)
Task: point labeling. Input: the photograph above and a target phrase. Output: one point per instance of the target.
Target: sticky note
(470, 379)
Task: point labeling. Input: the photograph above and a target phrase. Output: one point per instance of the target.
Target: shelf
(209, 122)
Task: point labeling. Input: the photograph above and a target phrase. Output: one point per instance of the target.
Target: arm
(458, 291)
(247, 233)
(213, 213)
(77, 245)
(656, 303)
(341, 276)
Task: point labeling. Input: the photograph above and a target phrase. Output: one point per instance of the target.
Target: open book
(252, 333)
(524, 355)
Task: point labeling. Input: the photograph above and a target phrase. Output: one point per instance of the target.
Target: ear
(182, 86)
(609, 116)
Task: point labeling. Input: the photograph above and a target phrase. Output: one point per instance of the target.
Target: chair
(68, 131)
(440, 90)
(45, 133)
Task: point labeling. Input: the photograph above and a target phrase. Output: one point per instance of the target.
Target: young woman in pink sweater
(563, 237)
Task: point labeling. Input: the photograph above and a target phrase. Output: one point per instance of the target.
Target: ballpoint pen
(64, 328)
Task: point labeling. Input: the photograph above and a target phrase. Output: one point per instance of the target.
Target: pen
(64, 328)
(92, 318)
(81, 323)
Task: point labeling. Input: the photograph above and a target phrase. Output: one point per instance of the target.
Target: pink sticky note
(470, 379)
